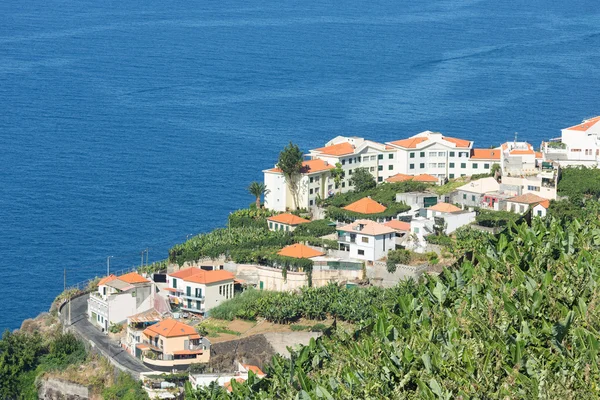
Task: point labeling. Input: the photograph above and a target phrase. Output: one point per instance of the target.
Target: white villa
(428, 153)
(196, 290)
(366, 240)
(119, 297)
(578, 145)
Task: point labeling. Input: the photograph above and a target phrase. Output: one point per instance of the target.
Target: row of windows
(280, 227)
(226, 290)
(451, 165)
(440, 154)
(366, 158)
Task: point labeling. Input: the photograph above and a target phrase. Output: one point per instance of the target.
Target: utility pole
(147, 256)
(142, 262)
(108, 265)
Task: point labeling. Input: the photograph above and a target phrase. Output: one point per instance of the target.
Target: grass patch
(213, 329)
(298, 328)
(451, 186)
(241, 306)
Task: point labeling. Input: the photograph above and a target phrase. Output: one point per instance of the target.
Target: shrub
(297, 328)
(319, 328)
(399, 256)
(316, 228)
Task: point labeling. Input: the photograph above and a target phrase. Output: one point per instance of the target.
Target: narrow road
(80, 322)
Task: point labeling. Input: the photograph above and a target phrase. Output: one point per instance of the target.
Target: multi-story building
(517, 159)
(119, 297)
(171, 345)
(578, 145)
(285, 222)
(366, 240)
(428, 152)
(196, 290)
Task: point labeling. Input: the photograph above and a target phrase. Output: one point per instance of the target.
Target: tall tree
(337, 174)
(362, 180)
(290, 163)
(258, 189)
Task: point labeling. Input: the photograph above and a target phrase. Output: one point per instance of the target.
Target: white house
(119, 297)
(472, 193)
(541, 209)
(578, 145)
(285, 222)
(366, 240)
(543, 184)
(197, 290)
(224, 379)
(450, 216)
(517, 159)
(520, 204)
(314, 182)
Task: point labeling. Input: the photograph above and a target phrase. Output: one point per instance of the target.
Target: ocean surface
(127, 125)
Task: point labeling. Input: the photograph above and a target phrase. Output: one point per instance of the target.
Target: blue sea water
(131, 124)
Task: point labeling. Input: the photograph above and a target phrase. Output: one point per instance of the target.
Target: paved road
(80, 322)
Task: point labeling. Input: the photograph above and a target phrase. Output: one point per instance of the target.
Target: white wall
(277, 198)
(376, 247)
(539, 211)
(455, 221)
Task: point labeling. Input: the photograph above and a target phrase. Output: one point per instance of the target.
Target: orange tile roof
(299, 250)
(399, 178)
(107, 279)
(527, 198)
(198, 275)
(485, 154)
(538, 154)
(545, 203)
(339, 149)
(133, 277)
(288, 219)
(425, 178)
(585, 125)
(254, 369)
(522, 152)
(457, 142)
(309, 167)
(170, 328)
(369, 227)
(366, 205)
(398, 225)
(444, 207)
(410, 143)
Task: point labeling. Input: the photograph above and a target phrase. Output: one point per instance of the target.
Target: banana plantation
(519, 319)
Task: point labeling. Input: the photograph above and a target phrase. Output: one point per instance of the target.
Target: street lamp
(108, 265)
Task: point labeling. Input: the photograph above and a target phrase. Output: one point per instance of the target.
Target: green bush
(297, 328)
(384, 193)
(399, 256)
(319, 328)
(126, 388)
(494, 219)
(316, 228)
(579, 181)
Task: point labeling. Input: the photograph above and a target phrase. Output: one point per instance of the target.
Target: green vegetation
(394, 257)
(155, 267)
(319, 328)
(384, 193)
(362, 180)
(450, 186)
(240, 241)
(352, 305)
(250, 217)
(125, 388)
(213, 328)
(579, 182)
(337, 174)
(556, 145)
(258, 189)
(290, 163)
(315, 228)
(339, 214)
(26, 356)
(299, 328)
(519, 319)
(494, 219)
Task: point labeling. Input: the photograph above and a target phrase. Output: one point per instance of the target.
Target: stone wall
(57, 389)
(379, 276)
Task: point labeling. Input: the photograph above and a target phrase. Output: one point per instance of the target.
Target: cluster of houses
(151, 310)
(524, 179)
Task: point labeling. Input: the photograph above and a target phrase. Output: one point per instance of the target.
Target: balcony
(191, 297)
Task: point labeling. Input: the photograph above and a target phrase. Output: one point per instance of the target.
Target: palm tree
(258, 189)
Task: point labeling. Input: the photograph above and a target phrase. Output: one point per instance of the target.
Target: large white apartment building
(578, 145)
(425, 153)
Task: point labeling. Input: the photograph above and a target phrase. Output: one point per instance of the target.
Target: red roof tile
(425, 178)
(366, 205)
(398, 225)
(309, 167)
(133, 277)
(444, 207)
(198, 275)
(457, 142)
(339, 149)
(107, 279)
(299, 250)
(288, 219)
(585, 125)
(410, 143)
(399, 178)
(169, 328)
(527, 198)
(485, 154)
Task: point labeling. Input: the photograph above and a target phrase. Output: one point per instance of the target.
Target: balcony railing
(192, 297)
